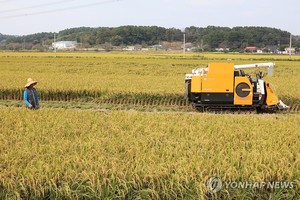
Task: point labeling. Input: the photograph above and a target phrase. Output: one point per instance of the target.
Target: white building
(222, 49)
(129, 48)
(64, 44)
(289, 50)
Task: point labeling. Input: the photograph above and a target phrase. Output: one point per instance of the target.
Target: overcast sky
(22, 17)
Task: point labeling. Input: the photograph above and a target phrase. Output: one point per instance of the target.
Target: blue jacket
(31, 97)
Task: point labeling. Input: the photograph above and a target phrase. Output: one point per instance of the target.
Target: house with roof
(64, 45)
(289, 50)
(251, 49)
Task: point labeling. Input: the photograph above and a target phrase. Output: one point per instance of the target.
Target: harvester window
(242, 73)
(236, 73)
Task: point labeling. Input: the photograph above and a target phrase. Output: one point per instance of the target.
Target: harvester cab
(225, 85)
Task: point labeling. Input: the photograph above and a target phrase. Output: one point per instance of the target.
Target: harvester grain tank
(225, 85)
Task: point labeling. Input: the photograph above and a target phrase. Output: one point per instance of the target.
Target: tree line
(207, 38)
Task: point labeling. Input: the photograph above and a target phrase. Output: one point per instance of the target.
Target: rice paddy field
(116, 126)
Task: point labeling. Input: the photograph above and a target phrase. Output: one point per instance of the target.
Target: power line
(60, 9)
(6, 1)
(36, 6)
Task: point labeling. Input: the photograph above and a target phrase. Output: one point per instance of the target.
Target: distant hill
(3, 38)
(207, 38)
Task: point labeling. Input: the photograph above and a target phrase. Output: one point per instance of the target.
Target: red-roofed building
(251, 49)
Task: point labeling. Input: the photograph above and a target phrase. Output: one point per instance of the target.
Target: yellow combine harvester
(225, 85)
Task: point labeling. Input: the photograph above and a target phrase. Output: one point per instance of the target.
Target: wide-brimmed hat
(30, 82)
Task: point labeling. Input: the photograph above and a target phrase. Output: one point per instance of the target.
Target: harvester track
(143, 106)
(98, 98)
(185, 104)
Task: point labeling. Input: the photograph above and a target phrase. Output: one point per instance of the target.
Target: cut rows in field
(140, 99)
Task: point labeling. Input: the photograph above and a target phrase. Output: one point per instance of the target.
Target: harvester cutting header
(225, 85)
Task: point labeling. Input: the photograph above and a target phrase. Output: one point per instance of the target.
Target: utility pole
(24, 44)
(201, 45)
(291, 46)
(55, 44)
(184, 42)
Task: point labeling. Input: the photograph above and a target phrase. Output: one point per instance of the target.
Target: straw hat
(30, 82)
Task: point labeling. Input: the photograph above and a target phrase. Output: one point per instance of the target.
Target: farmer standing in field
(30, 95)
